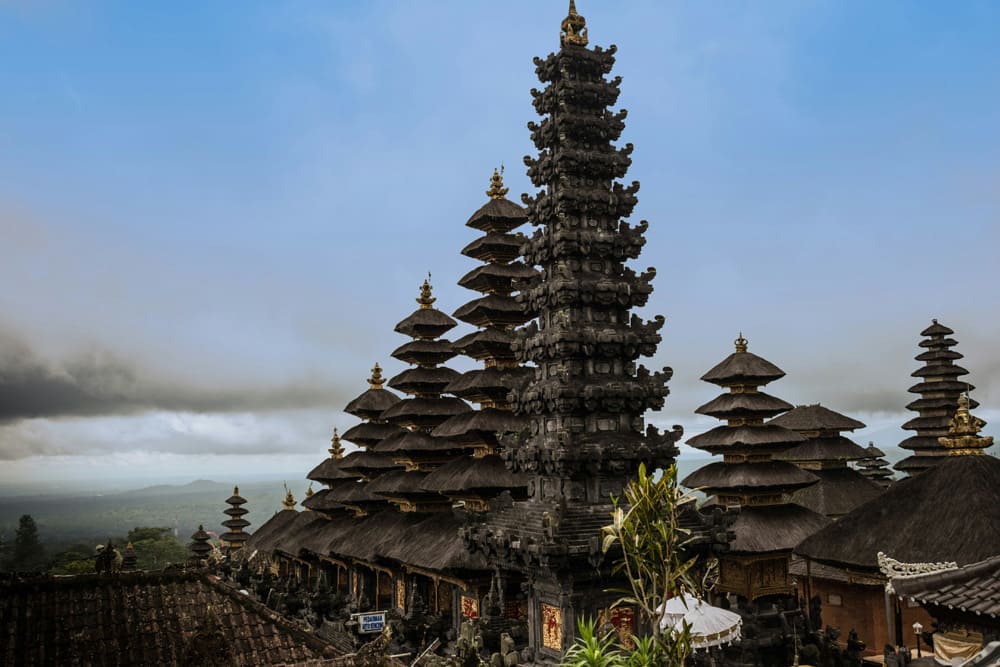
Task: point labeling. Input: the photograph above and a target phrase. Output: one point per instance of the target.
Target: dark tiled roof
(371, 403)
(144, 618)
(974, 588)
(951, 512)
(838, 491)
(264, 538)
(743, 367)
(770, 528)
(816, 418)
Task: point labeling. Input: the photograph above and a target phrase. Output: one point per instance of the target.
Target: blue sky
(224, 208)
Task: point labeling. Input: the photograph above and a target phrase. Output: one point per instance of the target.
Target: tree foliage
(650, 545)
(27, 552)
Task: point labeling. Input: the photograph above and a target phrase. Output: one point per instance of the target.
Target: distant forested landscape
(65, 521)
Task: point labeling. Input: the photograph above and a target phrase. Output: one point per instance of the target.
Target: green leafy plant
(592, 650)
(646, 527)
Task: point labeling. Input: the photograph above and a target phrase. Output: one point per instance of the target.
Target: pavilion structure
(939, 388)
(874, 466)
(825, 454)
(584, 407)
(235, 537)
(752, 478)
(946, 514)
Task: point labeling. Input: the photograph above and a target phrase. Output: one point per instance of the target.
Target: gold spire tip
(497, 190)
(236, 490)
(336, 449)
(425, 300)
(309, 491)
(289, 502)
(741, 343)
(573, 29)
(376, 381)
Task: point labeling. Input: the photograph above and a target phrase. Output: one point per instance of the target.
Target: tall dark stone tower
(586, 435)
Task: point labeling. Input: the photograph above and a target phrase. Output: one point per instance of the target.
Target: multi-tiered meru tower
(939, 389)
(586, 435)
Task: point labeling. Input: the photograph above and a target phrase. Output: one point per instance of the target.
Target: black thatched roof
(486, 344)
(816, 418)
(355, 493)
(746, 477)
(770, 528)
(492, 310)
(399, 483)
(264, 538)
(417, 442)
(498, 215)
(728, 406)
(419, 411)
(368, 434)
(322, 536)
(936, 329)
(496, 277)
(838, 491)
(423, 380)
(321, 501)
(743, 368)
(329, 470)
(425, 352)
(484, 476)
(368, 462)
(371, 403)
(366, 538)
(951, 512)
(824, 448)
(723, 438)
(425, 323)
(493, 383)
(973, 588)
(479, 426)
(500, 248)
(301, 532)
(434, 544)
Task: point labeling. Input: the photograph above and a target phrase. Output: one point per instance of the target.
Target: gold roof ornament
(336, 449)
(309, 491)
(963, 437)
(741, 343)
(289, 502)
(573, 29)
(425, 300)
(376, 381)
(497, 190)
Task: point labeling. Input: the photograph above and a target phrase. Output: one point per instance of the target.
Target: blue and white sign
(373, 622)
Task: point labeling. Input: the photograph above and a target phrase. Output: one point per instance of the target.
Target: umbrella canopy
(675, 608)
(709, 626)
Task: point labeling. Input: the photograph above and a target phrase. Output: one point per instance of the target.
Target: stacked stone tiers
(826, 454)
(939, 389)
(347, 477)
(584, 408)
(752, 475)
(415, 446)
(235, 538)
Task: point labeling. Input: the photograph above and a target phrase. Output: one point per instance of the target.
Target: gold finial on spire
(573, 29)
(426, 301)
(376, 381)
(236, 490)
(497, 190)
(963, 431)
(309, 491)
(336, 449)
(741, 343)
(289, 502)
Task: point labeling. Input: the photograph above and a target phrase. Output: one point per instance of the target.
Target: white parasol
(709, 626)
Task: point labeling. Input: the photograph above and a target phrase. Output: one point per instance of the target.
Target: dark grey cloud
(100, 382)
